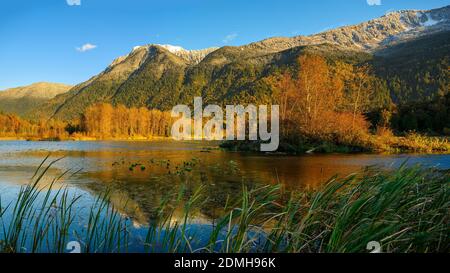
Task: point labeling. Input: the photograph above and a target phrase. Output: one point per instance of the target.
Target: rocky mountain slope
(191, 56)
(161, 76)
(391, 28)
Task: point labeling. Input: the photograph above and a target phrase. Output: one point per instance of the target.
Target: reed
(405, 210)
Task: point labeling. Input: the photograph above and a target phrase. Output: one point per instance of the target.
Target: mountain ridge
(25, 98)
(367, 36)
(44, 90)
(158, 76)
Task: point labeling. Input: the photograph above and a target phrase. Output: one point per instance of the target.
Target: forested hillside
(226, 76)
(157, 79)
(22, 99)
(416, 70)
(407, 51)
(383, 77)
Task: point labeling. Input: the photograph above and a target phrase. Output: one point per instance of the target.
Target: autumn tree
(359, 88)
(105, 121)
(313, 102)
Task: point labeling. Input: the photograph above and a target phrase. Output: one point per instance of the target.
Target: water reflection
(141, 174)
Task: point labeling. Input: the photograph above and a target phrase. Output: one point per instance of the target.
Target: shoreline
(37, 139)
(340, 149)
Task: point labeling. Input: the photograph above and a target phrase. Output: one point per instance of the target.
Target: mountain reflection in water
(139, 175)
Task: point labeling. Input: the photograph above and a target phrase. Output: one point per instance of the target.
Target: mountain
(39, 90)
(191, 56)
(416, 70)
(389, 29)
(161, 76)
(20, 99)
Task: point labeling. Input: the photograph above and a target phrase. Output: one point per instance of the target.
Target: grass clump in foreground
(405, 210)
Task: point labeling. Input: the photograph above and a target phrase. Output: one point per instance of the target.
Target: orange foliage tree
(13, 126)
(314, 102)
(105, 121)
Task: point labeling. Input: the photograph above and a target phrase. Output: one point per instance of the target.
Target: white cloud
(374, 2)
(86, 47)
(73, 2)
(229, 38)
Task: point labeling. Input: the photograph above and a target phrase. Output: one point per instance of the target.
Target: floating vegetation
(405, 210)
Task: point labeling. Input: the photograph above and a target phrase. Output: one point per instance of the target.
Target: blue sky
(43, 40)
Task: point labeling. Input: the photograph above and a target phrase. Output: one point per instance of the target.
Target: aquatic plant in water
(405, 210)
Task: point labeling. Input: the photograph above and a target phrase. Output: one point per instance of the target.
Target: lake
(139, 174)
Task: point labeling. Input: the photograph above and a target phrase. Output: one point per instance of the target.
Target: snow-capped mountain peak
(174, 49)
(191, 56)
(429, 21)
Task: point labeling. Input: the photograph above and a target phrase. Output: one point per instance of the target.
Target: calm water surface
(140, 173)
